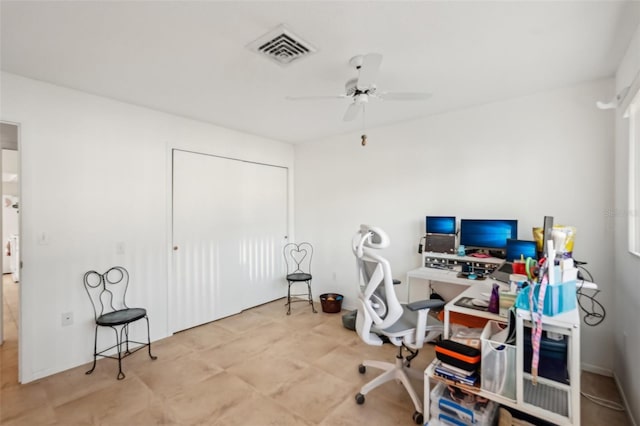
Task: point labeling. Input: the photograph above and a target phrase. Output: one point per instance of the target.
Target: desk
(449, 276)
(567, 323)
(478, 290)
(444, 276)
(444, 268)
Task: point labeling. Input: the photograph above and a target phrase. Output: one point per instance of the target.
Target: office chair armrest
(425, 304)
(422, 307)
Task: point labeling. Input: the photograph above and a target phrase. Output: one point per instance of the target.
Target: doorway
(10, 283)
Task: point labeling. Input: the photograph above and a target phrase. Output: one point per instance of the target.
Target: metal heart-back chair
(298, 257)
(107, 293)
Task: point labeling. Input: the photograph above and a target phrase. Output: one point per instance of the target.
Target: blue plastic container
(558, 298)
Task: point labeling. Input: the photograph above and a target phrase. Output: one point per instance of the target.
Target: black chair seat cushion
(122, 316)
(299, 276)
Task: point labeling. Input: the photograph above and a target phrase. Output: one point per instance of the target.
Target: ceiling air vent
(282, 46)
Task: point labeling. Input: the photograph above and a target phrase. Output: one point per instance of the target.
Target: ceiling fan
(363, 88)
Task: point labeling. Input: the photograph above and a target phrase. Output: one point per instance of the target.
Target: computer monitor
(441, 225)
(487, 234)
(517, 249)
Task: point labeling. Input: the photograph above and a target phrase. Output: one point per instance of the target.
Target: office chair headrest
(375, 237)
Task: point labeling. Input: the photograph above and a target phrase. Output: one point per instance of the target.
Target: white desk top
(445, 276)
(476, 288)
(480, 291)
(449, 276)
(462, 259)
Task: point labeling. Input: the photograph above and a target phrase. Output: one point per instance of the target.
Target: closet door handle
(175, 248)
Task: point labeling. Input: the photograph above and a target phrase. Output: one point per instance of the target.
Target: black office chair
(107, 293)
(297, 257)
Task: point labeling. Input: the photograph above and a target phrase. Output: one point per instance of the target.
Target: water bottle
(494, 300)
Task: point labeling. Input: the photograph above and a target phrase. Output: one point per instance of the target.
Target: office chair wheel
(360, 399)
(418, 418)
(362, 369)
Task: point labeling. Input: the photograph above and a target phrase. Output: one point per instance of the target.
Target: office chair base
(392, 371)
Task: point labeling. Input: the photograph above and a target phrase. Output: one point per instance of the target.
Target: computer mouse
(472, 276)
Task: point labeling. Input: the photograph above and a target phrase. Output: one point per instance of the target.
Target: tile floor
(260, 367)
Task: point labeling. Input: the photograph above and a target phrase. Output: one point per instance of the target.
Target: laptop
(516, 249)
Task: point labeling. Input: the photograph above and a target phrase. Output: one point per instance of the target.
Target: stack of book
(458, 375)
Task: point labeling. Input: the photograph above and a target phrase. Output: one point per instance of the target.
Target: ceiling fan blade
(369, 70)
(352, 111)
(403, 96)
(307, 98)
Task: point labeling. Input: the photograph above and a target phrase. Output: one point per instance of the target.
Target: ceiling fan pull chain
(364, 127)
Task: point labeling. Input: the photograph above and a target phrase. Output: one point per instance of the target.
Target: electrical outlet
(335, 277)
(66, 318)
(624, 343)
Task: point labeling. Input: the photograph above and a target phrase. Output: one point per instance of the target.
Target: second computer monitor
(487, 234)
(440, 225)
(520, 249)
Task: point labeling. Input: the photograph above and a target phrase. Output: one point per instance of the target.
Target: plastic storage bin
(349, 320)
(498, 366)
(464, 410)
(553, 357)
(558, 298)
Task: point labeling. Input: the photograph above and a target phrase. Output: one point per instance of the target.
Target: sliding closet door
(229, 227)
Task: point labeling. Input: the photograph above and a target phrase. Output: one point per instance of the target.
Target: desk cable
(603, 402)
(594, 315)
(594, 312)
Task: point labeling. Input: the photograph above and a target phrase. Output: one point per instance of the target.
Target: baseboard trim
(597, 370)
(604, 372)
(624, 400)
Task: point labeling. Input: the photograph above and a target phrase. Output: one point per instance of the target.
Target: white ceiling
(190, 58)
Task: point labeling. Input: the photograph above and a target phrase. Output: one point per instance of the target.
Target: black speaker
(440, 243)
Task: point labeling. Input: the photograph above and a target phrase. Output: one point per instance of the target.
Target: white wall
(96, 172)
(627, 267)
(547, 154)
